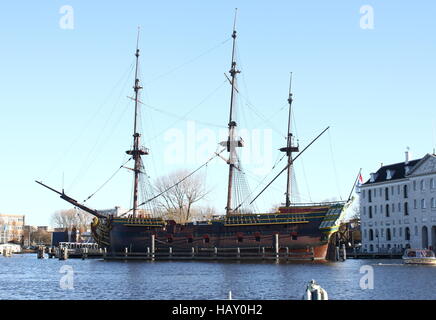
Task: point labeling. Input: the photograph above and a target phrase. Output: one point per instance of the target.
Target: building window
(375, 209)
(398, 189)
(415, 204)
(422, 185)
(414, 185)
(432, 183)
(371, 235)
(433, 202)
(406, 209)
(364, 211)
(407, 233)
(405, 191)
(370, 212)
(399, 207)
(393, 230)
(423, 206)
(369, 196)
(416, 230)
(388, 234)
(387, 210)
(386, 193)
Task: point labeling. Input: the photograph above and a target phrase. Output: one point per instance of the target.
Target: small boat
(419, 256)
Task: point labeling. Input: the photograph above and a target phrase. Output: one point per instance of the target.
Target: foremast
(137, 150)
(290, 147)
(232, 143)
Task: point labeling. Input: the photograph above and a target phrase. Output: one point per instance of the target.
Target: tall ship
(302, 230)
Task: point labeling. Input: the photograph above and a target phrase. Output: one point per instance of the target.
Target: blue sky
(66, 119)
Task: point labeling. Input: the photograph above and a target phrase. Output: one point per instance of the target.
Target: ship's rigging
(239, 197)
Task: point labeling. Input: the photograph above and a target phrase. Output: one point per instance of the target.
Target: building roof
(397, 172)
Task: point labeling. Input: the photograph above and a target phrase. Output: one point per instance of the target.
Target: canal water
(26, 277)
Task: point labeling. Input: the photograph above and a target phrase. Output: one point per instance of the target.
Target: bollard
(263, 252)
(312, 250)
(40, 253)
(148, 252)
(193, 252)
(105, 252)
(276, 244)
(215, 252)
(238, 253)
(63, 254)
(170, 252)
(344, 253)
(287, 253)
(126, 250)
(152, 246)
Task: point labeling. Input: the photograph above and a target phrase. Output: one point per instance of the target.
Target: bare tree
(177, 202)
(72, 218)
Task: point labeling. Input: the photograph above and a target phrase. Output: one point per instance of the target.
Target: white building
(398, 206)
(11, 227)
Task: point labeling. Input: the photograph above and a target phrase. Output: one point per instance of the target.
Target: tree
(177, 202)
(72, 218)
(40, 237)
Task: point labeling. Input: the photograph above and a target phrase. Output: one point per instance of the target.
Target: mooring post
(215, 252)
(126, 250)
(192, 252)
(287, 253)
(312, 250)
(63, 254)
(104, 252)
(263, 252)
(238, 253)
(148, 252)
(170, 251)
(344, 252)
(40, 253)
(276, 236)
(83, 253)
(153, 248)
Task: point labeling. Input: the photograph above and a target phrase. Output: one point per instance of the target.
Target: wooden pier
(196, 253)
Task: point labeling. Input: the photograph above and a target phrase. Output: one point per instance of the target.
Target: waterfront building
(11, 228)
(398, 206)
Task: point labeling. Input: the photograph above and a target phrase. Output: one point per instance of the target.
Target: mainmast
(137, 151)
(290, 148)
(231, 142)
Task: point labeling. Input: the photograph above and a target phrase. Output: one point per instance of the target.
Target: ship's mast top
(290, 148)
(137, 151)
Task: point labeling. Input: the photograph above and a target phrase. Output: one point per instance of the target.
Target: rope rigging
(176, 184)
(110, 178)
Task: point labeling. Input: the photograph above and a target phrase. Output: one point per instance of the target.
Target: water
(26, 277)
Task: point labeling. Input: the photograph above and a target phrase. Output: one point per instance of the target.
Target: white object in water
(315, 292)
(230, 295)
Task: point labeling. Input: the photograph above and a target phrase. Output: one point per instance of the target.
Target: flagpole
(354, 185)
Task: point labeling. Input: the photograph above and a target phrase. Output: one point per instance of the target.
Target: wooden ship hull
(303, 232)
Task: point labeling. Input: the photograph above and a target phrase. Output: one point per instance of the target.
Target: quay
(374, 255)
